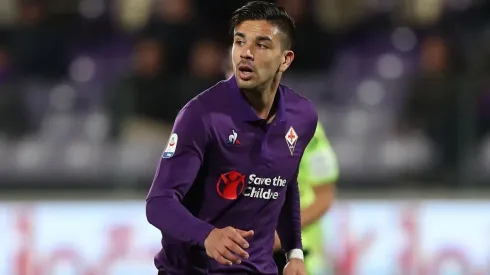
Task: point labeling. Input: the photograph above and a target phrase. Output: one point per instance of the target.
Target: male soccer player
(228, 175)
(318, 172)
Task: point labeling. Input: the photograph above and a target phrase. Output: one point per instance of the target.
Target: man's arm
(324, 196)
(319, 168)
(175, 175)
(289, 225)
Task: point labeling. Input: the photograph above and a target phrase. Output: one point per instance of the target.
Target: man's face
(257, 53)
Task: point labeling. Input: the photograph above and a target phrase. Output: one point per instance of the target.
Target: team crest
(171, 146)
(291, 139)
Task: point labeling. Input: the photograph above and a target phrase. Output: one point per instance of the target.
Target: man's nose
(247, 53)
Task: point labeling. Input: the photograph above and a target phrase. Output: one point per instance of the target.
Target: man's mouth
(245, 69)
(245, 72)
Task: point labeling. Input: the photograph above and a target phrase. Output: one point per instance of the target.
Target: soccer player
(227, 178)
(318, 172)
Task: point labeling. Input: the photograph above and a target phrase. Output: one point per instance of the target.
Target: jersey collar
(246, 112)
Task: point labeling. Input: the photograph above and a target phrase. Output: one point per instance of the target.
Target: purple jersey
(224, 166)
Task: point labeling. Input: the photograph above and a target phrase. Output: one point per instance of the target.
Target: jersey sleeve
(176, 172)
(319, 163)
(289, 224)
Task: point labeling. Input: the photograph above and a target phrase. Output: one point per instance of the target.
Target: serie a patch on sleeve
(171, 146)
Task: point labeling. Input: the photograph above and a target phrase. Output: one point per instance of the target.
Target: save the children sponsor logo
(234, 184)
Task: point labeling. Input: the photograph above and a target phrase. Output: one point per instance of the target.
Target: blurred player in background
(227, 180)
(318, 172)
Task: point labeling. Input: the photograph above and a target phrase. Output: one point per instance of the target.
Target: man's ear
(287, 59)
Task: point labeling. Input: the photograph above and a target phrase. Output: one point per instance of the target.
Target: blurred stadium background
(89, 90)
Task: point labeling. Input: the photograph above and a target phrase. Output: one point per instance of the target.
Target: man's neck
(262, 99)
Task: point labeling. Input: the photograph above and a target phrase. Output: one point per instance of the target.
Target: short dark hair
(262, 10)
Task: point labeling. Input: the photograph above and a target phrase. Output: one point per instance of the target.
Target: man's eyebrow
(263, 38)
(257, 38)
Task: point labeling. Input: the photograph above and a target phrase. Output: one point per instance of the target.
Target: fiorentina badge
(291, 139)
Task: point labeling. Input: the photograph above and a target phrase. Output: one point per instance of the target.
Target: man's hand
(294, 267)
(277, 242)
(227, 246)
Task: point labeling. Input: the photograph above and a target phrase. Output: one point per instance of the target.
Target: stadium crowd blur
(89, 89)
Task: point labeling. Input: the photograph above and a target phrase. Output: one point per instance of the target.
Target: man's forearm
(289, 226)
(174, 220)
(309, 216)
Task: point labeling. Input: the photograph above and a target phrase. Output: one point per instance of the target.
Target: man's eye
(238, 42)
(263, 46)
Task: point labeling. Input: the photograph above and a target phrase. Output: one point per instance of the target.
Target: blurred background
(89, 90)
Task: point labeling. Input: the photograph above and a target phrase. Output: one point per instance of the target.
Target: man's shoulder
(211, 95)
(206, 99)
(299, 105)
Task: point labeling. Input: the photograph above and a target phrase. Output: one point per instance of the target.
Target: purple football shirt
(224, 166)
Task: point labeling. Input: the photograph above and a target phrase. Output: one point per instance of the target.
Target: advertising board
(361, 237)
